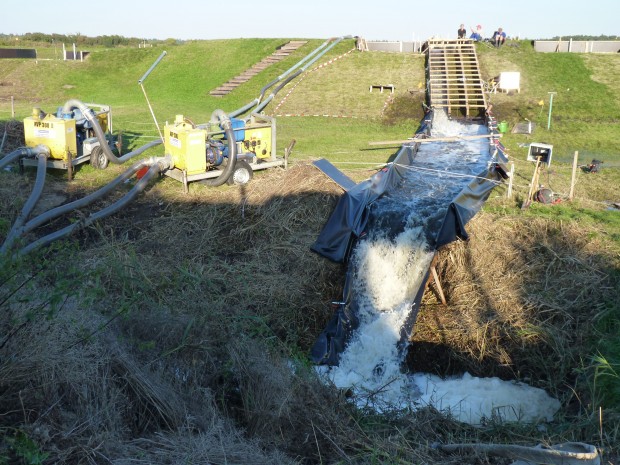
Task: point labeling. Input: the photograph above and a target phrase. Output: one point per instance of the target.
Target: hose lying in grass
(568, 453)
(155, 166)
(23, 152)
(34, 197)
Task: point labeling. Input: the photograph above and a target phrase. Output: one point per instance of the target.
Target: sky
(404, 20)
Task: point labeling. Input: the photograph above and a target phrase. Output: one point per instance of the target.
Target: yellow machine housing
(186, 144)
(56, 133)
(257, 140)
(104, 121)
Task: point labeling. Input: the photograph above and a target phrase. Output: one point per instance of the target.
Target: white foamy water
(387, 276)
(470, 399)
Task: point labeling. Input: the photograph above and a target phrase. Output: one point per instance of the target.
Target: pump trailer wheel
(98, 159)
(242, 174)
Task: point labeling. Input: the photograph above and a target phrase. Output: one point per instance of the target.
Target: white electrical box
(540, 151)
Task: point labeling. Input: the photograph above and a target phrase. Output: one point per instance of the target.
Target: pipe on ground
(79, 203)
(157, 165)
(263, 91)
(23, 152)
(264, 103)
(34, 197)
(569, 453)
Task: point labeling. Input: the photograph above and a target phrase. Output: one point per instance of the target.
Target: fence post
(510, 180)
(12, 107)
(572, 179)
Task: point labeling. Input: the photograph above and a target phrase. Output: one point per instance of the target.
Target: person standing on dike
(462, 32)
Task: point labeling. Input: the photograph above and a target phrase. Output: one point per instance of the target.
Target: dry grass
(524, 294)
(186, 334)
(12, 135)
(178, 330)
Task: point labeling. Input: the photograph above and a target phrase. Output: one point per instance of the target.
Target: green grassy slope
(586, 104)
(160, 328)
(584, 115)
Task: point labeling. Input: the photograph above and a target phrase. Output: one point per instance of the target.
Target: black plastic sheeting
(353, 218)
(18, 53)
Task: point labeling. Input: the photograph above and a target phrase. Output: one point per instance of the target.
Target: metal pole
(12, 107)
(152, 113)
(141, 81)
(551, 94)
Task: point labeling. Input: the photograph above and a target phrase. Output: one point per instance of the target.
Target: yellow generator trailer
(70, 137)
(200, 152)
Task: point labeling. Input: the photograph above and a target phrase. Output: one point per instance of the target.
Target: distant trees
(34, 38)
(584, 37)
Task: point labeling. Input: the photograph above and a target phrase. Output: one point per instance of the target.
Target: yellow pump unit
(201, 152)
(70, 138)
(187, 146)
(56, 133)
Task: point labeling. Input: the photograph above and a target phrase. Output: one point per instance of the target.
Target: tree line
(585, 37)
(111, 41)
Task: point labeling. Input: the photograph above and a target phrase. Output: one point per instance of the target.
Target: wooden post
(69, 166)
(533, 186)
(442, 297)
(287, 152)
(511, 178)
(12, 107)
(435, 277)
(573, 177)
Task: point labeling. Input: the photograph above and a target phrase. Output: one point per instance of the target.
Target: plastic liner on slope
(350, 216)
(372, 204)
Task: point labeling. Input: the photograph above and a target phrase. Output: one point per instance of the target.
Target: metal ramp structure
(453, 78)
(281, 53)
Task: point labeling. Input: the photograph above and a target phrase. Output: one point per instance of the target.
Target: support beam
(434, 139)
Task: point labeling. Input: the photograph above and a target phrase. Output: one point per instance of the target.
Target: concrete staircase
(453, 78)
(280, 53)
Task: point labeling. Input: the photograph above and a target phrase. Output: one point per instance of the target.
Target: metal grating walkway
(453, 77)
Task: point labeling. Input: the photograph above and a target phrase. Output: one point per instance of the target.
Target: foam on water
(470, 399)
(387, 276)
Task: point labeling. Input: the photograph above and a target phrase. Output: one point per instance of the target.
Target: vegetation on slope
(178, 330)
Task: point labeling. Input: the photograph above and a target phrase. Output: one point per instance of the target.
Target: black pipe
(158, 165)
(66, 208)
(103, 142)
(219, 115)
(34, 197)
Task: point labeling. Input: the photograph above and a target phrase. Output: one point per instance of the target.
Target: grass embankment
(178, 330)
(584, 114)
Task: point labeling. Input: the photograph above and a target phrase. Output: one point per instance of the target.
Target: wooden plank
(455, 93)
(434, 139)
(442, 297)
(460, 58)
